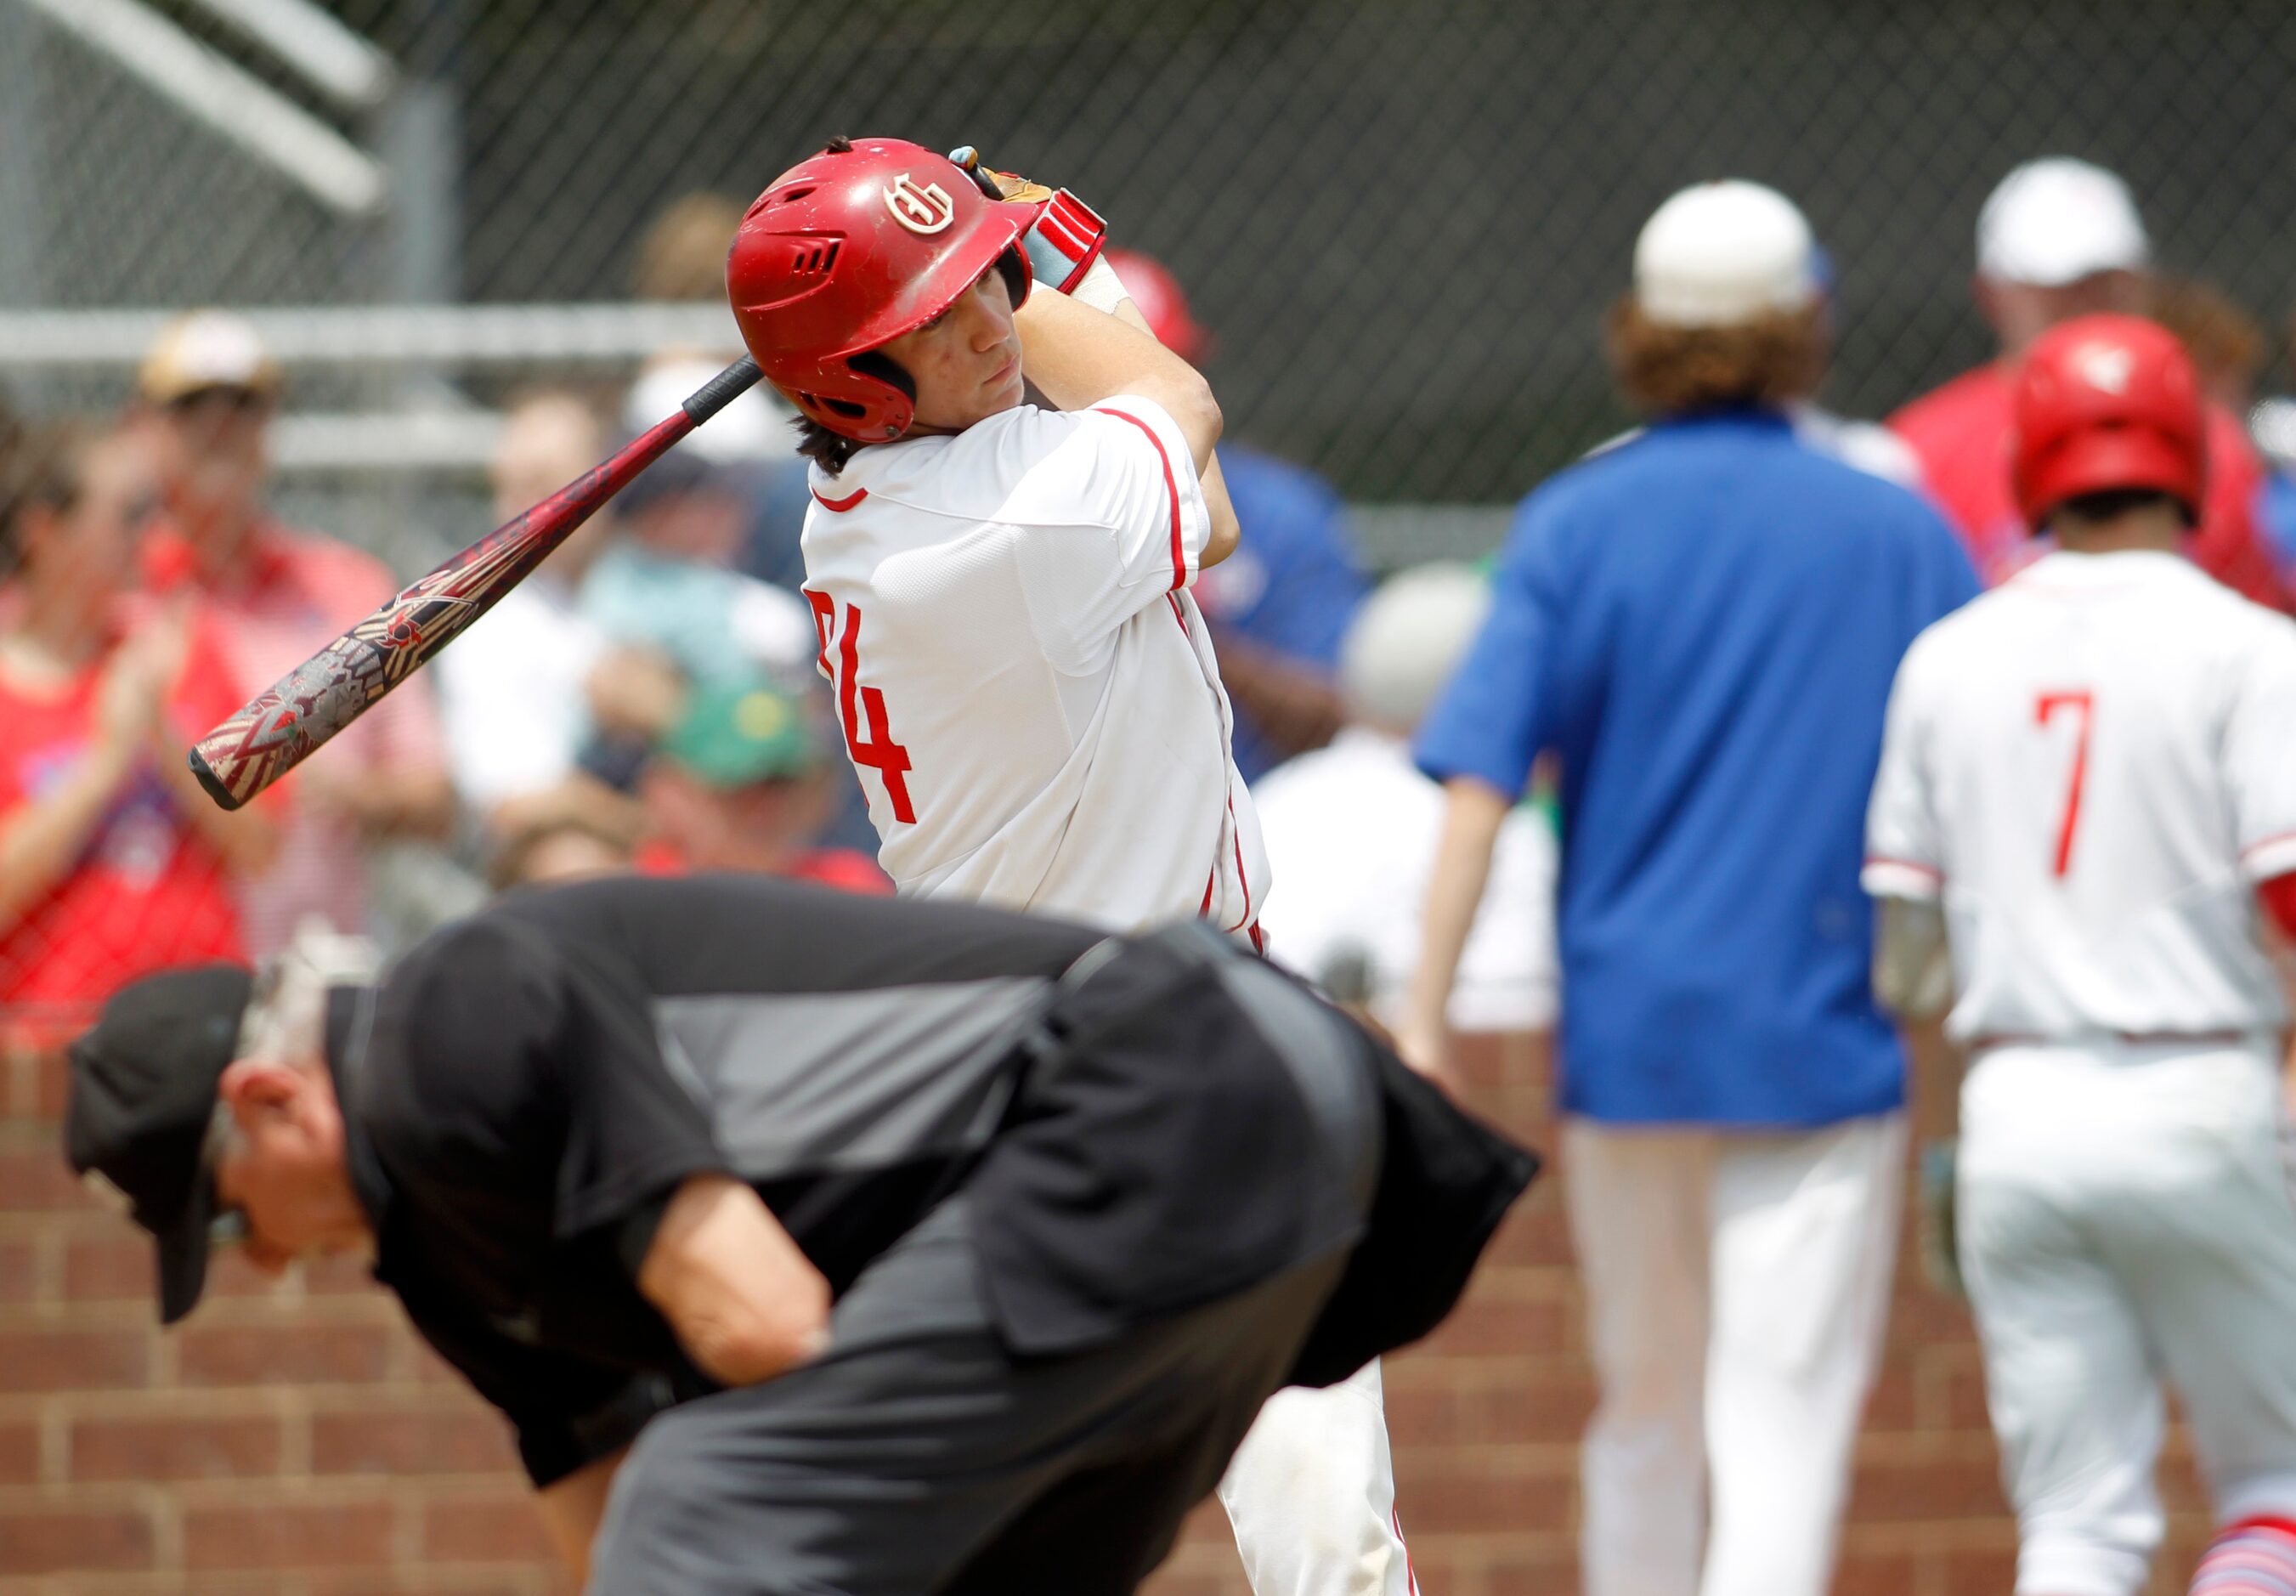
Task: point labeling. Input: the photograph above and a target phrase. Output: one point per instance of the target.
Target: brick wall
(297, 1441)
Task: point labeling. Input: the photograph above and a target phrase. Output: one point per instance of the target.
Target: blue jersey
(1703, 625)
(1292, 585)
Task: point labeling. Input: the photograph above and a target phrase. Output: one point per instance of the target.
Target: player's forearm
(1473, 813)
(1226, 530)
(1227, 533)
(42, 839)
(1077, 356)
(744, 1303)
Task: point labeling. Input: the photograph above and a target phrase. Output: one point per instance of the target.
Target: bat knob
(223, 796)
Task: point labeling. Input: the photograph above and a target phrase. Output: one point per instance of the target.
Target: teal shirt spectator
(718, 626)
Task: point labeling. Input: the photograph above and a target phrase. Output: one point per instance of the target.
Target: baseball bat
(281, 727)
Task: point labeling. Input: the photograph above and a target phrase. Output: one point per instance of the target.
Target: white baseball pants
(2124, 1216)
(1311, 1496)
(1737, 1284)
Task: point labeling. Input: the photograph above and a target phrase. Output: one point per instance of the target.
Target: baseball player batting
(2087, 787)
(1028, 694)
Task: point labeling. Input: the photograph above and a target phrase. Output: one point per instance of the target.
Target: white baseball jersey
(1027, 688)
(2092, 766)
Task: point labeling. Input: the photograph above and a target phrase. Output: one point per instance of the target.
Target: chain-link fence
(1402, 219)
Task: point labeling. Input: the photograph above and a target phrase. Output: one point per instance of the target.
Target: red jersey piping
(1930, 871)
(1171, 493)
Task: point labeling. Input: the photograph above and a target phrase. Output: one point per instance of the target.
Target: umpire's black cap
(142, 1095)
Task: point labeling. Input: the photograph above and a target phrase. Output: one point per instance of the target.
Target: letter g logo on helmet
(920, 208)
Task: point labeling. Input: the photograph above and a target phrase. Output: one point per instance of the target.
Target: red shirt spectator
(1961, 432)
(283, 596)
(112, 862)
(210, 389)
(2060, 238)
(147, 891)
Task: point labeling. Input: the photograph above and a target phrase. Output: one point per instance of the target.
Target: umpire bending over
(821, 1244)
(1699, 626)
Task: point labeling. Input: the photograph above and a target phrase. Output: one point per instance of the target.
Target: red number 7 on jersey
(880, 753)
(2049, 704)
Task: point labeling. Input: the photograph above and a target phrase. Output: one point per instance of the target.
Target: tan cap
(208, 349)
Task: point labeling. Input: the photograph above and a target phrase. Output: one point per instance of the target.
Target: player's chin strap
(1064, 244)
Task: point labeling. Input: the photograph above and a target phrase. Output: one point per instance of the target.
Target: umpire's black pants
(917, 1457)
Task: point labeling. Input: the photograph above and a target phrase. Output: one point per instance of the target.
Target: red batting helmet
(2106, 402)
(845, 252)
(1157, 293)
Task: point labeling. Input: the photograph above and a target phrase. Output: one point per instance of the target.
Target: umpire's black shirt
(524, 1091)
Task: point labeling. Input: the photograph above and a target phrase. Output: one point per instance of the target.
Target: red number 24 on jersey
(880, 753)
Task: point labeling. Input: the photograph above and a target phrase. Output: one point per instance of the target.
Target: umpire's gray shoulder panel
(826, 1080)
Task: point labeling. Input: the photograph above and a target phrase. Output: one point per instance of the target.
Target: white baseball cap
(2057, 220)
(207, 349)
(752, 427)
(1407, 638)
(1719, 254)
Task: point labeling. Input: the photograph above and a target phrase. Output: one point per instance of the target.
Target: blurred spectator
(2225, 342)
(740, 785)
(1351, 829)
(514, 688)
(683, 258)
(278, 596)
(751, 446)
(682, 255)
(2060, 238)
(559, 847)
(666, 587)
(2273, 426)
(1700, 626)
(113, 861)
(1279, 605)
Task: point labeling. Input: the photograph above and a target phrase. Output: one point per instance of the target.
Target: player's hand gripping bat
(281, 727)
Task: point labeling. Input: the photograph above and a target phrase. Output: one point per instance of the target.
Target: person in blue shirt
(1280, 604)
(1700, 627)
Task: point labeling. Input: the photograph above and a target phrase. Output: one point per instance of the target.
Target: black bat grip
(721, 390)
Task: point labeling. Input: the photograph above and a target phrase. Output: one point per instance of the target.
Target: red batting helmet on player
(845, 252)
(2107, 402)
(1156, 291)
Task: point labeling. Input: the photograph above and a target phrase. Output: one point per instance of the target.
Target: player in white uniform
(1026, 685)
(2088, 789)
